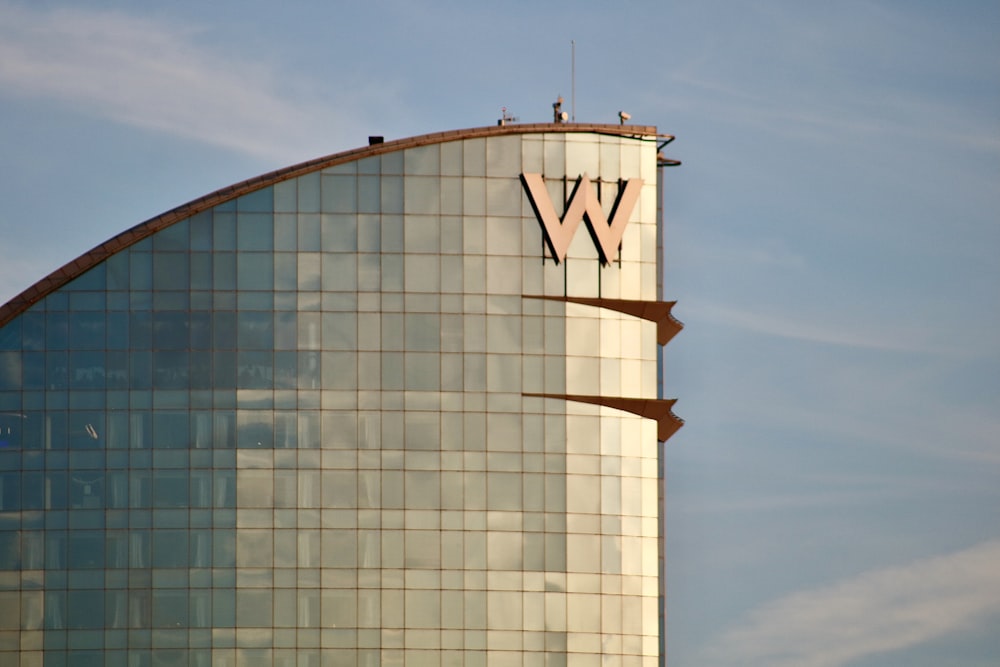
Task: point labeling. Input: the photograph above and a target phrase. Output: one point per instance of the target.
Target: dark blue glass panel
(10, 335)
(172, 238)
(80, 658)
(58, 300)
(116, 370)
(200, 496)
(171, 300)
(87, 370)
(256, 330)
(116, 551)
(285, 369)
(56, 330)
(255, 301)
(170, 548)
(117, 330)
(118, 300)
(223, 496)
(140, 437)
(33, 369)
(86, 549)
(10, 550)
(199, 324)
(200, 230)
(10, 371)
(170, 330)
(56, 459)
(170, 369)
(224, 271)
(141, 330)
(140, 369)
(170, 271)
(224, 369)
(33, 431)
(170, 429)
(260, 201)
(86, 489)
(224, 233)
(170, 489)
(86, 609)
(55, 549)
(223, 430)
(31, 460)
(55, 612)
(10, 402)
(56, 370)
(10, 488)
(140, 300)
(254, 231)
(117, 271)
(11, 434)
(170, 610)
(140, 271)
(139, 617)
(56, 430)
(254, 370)
(140, 490)
(200, 370)
(117, 489)
(223, 608)
(224, 329)
(86, 430)
(255, 271)
(86, 331)
(85, 301)
(31, 548)
(91, 281)
(32, 491)
(33, 330)
(201, 271)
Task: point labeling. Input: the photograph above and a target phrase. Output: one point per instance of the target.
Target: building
(380, 408)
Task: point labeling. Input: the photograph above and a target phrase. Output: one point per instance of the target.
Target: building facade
(394, 406)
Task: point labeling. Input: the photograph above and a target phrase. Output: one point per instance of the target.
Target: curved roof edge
(98, 254)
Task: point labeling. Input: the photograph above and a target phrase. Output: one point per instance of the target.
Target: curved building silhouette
(394, 406)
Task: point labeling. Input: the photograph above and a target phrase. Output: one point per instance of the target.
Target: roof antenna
(558, 115)
(506, 117)
(572, 99)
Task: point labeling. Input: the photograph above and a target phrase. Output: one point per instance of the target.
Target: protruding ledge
(654, 311)
(667, 423)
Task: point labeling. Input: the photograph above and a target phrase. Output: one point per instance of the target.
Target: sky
(832, 240)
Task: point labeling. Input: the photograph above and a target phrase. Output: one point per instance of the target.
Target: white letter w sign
(582, 205)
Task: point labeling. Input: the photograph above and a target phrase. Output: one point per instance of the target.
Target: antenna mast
(572, 97)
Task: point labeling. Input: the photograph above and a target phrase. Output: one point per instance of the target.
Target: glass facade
(330, 421)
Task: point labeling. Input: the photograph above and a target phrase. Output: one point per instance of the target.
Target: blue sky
(832, 240)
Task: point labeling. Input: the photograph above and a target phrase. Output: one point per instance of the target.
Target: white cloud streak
(876, 612)
(156, 76)
(813, 331)
(838, 101)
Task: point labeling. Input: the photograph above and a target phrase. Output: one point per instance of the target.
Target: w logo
(582, 205)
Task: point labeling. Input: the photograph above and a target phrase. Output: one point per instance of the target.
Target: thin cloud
(876, 612)
(157, 76)
(839, 101)
(809, 331)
